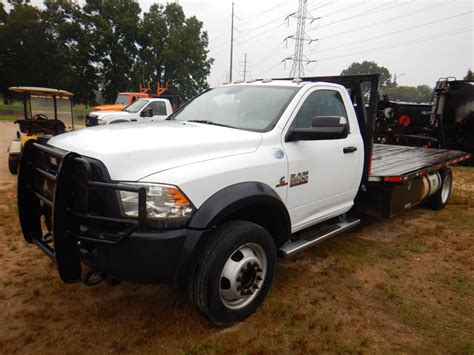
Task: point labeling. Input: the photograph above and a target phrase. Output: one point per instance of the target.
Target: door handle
(135, 120)
(349, 150)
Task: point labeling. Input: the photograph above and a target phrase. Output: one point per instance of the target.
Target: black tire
(13, 166)
(440, 199)
(206, 282)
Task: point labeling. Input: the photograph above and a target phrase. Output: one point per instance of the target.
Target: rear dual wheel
(234, 273)
(440, 198)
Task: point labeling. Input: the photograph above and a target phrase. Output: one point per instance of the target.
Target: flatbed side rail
(395, 164)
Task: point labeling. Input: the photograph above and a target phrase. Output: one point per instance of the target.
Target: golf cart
(47, 112)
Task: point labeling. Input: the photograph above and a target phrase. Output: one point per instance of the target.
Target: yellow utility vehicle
(47, 112)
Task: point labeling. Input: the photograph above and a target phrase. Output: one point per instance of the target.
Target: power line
(405, 15)
(279, 18)
(278, 25)
(391, 46)
(364, 13)
(279, 5)
(252, 28)
(395, 32)
(395, 45)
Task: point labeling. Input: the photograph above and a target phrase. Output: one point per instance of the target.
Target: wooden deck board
(397, 160)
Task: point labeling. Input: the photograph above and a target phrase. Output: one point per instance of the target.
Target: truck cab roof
(281, 82)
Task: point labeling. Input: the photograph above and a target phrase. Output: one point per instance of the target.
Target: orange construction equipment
(127, 98)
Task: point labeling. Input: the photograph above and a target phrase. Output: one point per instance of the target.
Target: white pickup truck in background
(240, 174)
(142, 110)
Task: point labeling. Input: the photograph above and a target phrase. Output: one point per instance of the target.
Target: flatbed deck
(396, 163)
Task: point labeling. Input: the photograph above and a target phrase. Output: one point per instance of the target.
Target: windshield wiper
(211, 123)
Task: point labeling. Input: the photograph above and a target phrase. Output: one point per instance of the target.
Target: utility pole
(245, 62)
(298, 57)
(231, 43)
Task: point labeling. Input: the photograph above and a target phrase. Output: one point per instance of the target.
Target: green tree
(113, 27)
(3, 13)
(104, 44)
(470, 75)
(420, 93)
(369, 67)
(24, 53)
(173, 50)
(70, 49)
(425, 93)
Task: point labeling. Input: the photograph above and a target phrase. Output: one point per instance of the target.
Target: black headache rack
(57, 192)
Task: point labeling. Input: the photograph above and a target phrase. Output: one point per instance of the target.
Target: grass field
(404, 285)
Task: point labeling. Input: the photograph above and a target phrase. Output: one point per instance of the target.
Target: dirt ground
(403, 285)
(7, 134)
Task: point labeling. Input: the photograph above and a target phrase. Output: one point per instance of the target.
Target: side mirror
(322, 127)
(147, 112)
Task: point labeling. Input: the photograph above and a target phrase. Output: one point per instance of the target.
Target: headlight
(163, 202)
(101, 121)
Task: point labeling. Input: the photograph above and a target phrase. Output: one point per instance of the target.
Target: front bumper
(91, 120)
(69, 201)
(152, 257)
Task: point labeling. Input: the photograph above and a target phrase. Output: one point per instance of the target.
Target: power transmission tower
(244, 63)
(298, 57)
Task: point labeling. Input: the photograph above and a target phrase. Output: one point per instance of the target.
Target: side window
(320, 103)
(158, 107)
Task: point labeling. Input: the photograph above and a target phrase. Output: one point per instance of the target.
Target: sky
(418, 40)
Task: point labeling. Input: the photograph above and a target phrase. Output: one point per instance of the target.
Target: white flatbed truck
(212, 195)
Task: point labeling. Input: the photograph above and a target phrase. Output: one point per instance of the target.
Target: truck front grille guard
(58, 207)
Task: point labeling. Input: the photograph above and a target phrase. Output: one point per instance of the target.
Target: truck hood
(132, 151)
(114, 107)
(110, 114)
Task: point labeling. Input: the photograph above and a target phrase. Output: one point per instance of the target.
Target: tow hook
(94, 277)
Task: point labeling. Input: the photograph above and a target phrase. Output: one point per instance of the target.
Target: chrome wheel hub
(242, 276)
(446, 188)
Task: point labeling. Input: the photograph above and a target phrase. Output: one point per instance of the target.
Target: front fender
(234, 201)
(233, 198)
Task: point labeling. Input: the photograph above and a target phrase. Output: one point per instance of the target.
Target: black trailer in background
(446, 123)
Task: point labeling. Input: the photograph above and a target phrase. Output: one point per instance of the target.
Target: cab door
(159, 111)
(324, 174)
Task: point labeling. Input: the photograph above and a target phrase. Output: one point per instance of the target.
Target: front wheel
(234, 273)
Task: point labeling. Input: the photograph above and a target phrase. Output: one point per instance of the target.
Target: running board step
(301, 244)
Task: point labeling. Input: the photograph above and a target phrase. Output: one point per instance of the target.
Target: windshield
(136, 106)
(122, 100)
(44, 106)
(253, 108)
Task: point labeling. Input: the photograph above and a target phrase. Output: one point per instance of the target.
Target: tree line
(389, 86)
(106, 45)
